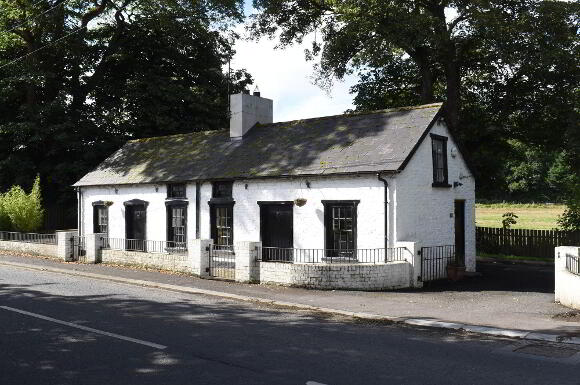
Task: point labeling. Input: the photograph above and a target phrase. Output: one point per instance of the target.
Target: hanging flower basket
(300, 202)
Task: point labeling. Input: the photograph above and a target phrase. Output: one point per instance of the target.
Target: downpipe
(386, 183)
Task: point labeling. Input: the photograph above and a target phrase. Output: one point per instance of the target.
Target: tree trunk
(453, 83)
(426, 85)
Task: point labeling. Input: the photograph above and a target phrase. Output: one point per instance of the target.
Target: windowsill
(445, 185)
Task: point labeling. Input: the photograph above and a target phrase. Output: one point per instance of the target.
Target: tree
(110, 70)
(505, 69)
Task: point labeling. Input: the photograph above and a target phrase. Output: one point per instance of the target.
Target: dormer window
(439, 150)
(176, 190)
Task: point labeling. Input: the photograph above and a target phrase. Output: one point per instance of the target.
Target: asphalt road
(59, 329)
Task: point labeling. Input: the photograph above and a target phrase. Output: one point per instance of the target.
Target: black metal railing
(434, 261)
(46, 239)
(145, 246)
(573, 264)
(287, 255)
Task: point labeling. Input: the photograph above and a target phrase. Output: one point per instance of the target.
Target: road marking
(314, 383)
(85, 328)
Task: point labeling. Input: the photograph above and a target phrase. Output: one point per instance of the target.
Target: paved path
(63, 329)
(507, 295)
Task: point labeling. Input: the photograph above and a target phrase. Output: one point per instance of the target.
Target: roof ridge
(359, 113)
(351, 114)
(205, 132)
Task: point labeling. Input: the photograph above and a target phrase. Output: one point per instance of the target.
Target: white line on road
(85, 328)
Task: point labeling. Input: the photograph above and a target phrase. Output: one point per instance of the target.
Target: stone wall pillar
(198, 252)
(413, 257)
(64, 247)
(247, 265)
(93, 244)
(565, 282)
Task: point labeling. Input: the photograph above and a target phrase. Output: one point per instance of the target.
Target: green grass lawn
(531, 216)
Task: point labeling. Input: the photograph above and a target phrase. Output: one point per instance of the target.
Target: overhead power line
(37, 16)
(41, 48)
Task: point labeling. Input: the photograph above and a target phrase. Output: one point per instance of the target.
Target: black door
(460, 231)
(277, 226)
(135, 221)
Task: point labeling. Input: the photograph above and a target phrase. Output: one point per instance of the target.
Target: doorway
(460, 232)
(277, 229)
(135, 227)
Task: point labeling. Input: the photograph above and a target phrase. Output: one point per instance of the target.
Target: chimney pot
(257, 91)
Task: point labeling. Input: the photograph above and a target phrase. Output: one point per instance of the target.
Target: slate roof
(351, 143)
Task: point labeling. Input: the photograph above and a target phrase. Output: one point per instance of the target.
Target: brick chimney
(246, 111)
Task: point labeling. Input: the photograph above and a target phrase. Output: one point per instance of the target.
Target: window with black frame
(176, 190)
(100, 219)
(439, 152)
(222, 213)
(341, 225)
(177, 225)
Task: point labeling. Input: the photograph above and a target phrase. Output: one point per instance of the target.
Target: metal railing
(46, 239)
(434, 261)
(573, 264)
(287, 255)
(145, 246)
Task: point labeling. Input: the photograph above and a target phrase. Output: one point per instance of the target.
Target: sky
(285, 77)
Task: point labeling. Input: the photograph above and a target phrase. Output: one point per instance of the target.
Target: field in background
(531, 216)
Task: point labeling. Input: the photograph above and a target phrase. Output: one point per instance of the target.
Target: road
(60, 329)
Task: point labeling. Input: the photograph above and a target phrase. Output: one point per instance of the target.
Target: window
(222, 214)
(222, 229)
(177, 224)
(176, 190)
(100, 219)
(439, 148)
(222, 189)
(340, 224)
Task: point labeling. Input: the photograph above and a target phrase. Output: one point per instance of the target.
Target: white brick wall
(424, 213)
(393, 275)
(170, 262)
(567, 288)
(30, 248)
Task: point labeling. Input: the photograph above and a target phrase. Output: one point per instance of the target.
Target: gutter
(386, 209)
(79, 211)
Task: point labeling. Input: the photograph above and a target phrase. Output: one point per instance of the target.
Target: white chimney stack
(247, 110)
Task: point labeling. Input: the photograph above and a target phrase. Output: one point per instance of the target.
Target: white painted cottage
(324, 186)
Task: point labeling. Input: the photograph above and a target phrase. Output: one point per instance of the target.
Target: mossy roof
(343, 144)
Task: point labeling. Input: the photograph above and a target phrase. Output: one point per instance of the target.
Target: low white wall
(30, 248)
(392, 275)
(171, 262)
(567, 288)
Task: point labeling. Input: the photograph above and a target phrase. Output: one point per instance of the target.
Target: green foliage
(497, 90)
(141, 68)
(24, 210)
(509, 219)
(4, 218)
(570, 219)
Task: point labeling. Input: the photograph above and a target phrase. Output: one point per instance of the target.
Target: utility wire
(43, 47)
(37, 16)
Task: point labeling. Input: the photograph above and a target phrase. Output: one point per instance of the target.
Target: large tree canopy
(96, 73)
(506, 70)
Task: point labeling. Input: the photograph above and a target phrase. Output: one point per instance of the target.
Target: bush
(4, 218)
(24, 210)
(570, 219)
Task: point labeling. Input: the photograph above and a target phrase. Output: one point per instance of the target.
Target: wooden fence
(523, 242)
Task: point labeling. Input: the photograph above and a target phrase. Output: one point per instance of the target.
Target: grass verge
(513, 257)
